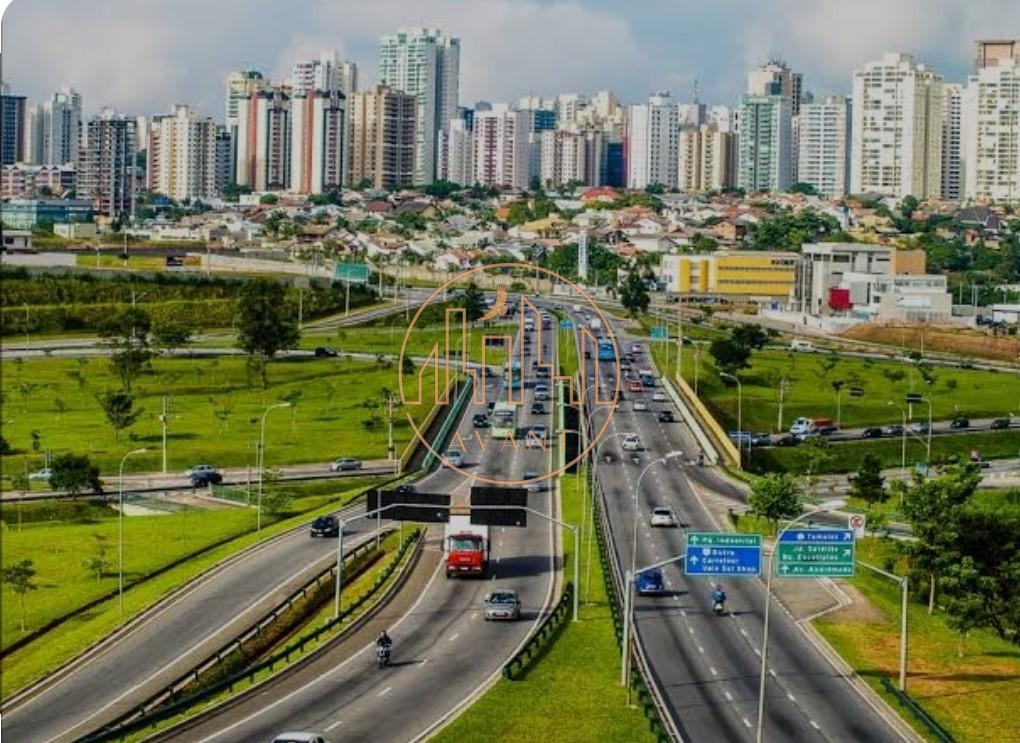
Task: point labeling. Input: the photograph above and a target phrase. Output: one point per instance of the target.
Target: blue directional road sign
(660, 333)
(816, 553)
(715, 553)
(566, 324)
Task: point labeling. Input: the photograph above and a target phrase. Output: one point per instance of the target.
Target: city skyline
(509, 49)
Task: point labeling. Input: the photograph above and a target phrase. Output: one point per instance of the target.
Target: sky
(142, 56)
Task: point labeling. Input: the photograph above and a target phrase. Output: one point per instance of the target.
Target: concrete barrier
(708, 423)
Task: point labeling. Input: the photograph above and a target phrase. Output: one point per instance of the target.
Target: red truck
(467, 548)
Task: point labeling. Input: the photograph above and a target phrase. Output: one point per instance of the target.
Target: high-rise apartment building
(327, 73)
(652, 143)
(990, 132)
(183, 155)
(564, 157)
(263, 148)
(705, 158)
(319, 152)
(239, 85)
(106, 163)
(501, 148)
(896, 134)
(776, 78)
(952, 183)
(456, 154)
(12, 128)
(765, 144)
(52, 129)
(383, 137)
(989, 52)
(425, 63)
(823, 159)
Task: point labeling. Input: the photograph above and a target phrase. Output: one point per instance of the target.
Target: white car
(659, 396)
(640, 405)
(663, 516)
(631, 442)
(538, 440)
(541, 393)
(299, 738)
(454, 458)
(42, 475)
(635, 348)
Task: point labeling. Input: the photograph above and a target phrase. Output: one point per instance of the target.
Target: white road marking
(743, 632)
(712, 669)
(683, 613)
(333, 725)
(701, 648)
(677, 598)
(814, 724)
(791, 697)
(773, 672)
(757, 652)
(747, 723)
(729, 696)
(426, 660)
(385, 691)
(691, 630)
(454, 636)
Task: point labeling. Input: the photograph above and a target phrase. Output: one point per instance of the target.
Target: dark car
(405, 488)
(761, 439)
(537, 408)
(872, 432)
(1000, 424)
(325, 526)
(787, 440)
(893, 430)
(205, 478)
(326, 352)
(480, 420)
(665, 416)
(489, 407)
(959, 423)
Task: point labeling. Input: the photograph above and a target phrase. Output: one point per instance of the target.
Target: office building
(383, 137)
(952, 185)
(734, 273)
(652, 143)
(764, 160)
(456, 153)
(26, 214)
(705, 158)
(823, 159)
(896, 134)
(106, 163)
(263, 147)
(12, 128)
(502, 148)
(990, 133)
(424, 63)
(183, 152)
(775, 78)
(319, 151)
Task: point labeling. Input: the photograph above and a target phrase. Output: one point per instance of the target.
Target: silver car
(502, 604)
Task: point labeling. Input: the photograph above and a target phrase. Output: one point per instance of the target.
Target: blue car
(650, 583)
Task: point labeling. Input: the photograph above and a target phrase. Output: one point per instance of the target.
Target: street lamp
(903, 436)
(928, 445)
(120, 529)
(262, 458)
(633, 556)
(822, 508)
(740, 408)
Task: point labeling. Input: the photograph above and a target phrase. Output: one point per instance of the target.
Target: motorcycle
(718, 608)
(382, 655)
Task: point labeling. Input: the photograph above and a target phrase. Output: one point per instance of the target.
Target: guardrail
(149, 715)
(708, 421)
(933, 727)
(452, 416)
(546, 632)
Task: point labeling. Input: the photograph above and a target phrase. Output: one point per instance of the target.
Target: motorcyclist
(718, 597)
(701, 457)
(383, 641)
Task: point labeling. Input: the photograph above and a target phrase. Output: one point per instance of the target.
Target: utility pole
(300, 305)
(347, 301)
(784, 386)
(163, 421)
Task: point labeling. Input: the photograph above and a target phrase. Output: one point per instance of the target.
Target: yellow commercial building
(737, 273)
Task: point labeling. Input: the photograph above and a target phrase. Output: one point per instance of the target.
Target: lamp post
(823, 508)
(903, 436)
(928, 444)
(633, 558)
(628, 608)
(740, 408)
(262, 459)
(120, 529)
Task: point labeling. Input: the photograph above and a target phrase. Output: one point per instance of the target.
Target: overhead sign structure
(352, 273)
(716, 553)
(660, 333)
(504, 506)
(566, 324)
(816, 553)
(425, 507)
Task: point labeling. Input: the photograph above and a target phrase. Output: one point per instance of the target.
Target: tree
(730, 356)
(775, 496)
(934, 508)
(170, 334)
(127, 333)
(815, 456)
(19, 577)
(75, 473)
(868, 484)
(267, 323)
(751, 336)
(5, 447)
(119, 410)
(97, 563)
(634, 293)
(908, 206)
(473, 302)
(277, 497)
(407, 366)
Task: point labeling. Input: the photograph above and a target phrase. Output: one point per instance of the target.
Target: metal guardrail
(546, 632)
(150, 714)
(933, 727)
(452, 416)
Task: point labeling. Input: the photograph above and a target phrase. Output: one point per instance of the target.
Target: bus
(606, 350)
(512, 380)
(504, 420)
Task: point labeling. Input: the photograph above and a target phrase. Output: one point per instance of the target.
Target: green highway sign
(712, 553)
(723, 539)
(816, 553)
(354, 273)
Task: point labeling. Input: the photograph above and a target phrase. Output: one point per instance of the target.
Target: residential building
(319, 150)
(989, 52)
(776, 78)
(327, 73)
(990, 133)
(383, 137)
(652, 143)
(734, 273)
(692, 114)
(26, 214)
(616, 162)
(823, 159)
(182, 162)
(12, 128)
(53, 128)
(705, 158)
(896, 134)
(263, 147)
(569, 107)
(456, 153)
(595, 156)
(26, 181)
(424, 63)
(952, 185)
(563, 158)
(106, 163)
(501, 148)
(35, 138)
(765, 161)
(239, 85)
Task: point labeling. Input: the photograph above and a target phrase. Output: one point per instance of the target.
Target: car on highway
(740, 438)
(345, 464)
(192, 471)
(537, 408)
(640, 405)
(761, 439)
(536, 438)
(959, 423)
(531, 487)
(634, 386)
(325, 526)
(787, 440)
(454, 457)
(541, 392)
(649, 582)
(299, 738)
(659, 396)
(323, 352)
(42, 475)
(893, 430)
(480, 420)
(665, 416)
(205, 478)
(502, 604)
(1000, 424)
(872, 432)
(919, 427)
(635, 348)
(662, 516)
(631, 442)
(404, 488)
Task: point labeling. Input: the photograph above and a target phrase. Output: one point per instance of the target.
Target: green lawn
(573, 693)
(568, 352)
(389, 340)
(214, 415)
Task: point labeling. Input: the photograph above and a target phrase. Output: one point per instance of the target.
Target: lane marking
(712, 669)
(333, 725)
(701, 648)
(729, 696)
(424, 661)
(385, 691)
(814, 724)
(791, 697)
(747, 723)
(773, 672)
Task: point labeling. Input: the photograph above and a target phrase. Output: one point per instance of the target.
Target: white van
(806, 346)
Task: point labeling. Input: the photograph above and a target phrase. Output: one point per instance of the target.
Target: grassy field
(962, 341)
(214, 411)
(388, 340)
(59, 551)
(573, 693)
(110, 261)
(568, 352)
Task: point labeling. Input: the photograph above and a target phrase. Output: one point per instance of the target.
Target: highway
(706, 666)
(443, 649)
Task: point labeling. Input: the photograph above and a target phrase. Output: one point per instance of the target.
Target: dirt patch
(963, 341)
(861, 610)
